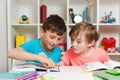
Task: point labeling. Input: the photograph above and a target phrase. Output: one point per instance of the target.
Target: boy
(83, 38)
(45, 49)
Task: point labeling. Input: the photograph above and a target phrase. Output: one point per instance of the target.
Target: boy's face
(50, 39)
(79, 44)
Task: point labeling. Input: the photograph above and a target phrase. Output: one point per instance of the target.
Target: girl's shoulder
(70, 50)
(99, 50)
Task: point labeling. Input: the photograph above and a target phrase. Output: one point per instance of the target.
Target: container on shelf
(43, 12)
(109, 44)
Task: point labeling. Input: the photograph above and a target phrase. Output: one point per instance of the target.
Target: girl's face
(79, 44)
(50, 39)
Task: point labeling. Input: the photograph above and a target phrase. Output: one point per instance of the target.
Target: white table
(70, 73)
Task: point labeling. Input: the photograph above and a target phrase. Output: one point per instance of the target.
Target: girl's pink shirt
(72, 59)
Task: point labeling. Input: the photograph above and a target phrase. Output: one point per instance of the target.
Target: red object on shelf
(113, 41)
(43, 11)
(108, 43)
(104, 43)
(63, 46)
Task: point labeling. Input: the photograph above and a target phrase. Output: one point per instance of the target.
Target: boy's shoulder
(57, 48)
(34, 40)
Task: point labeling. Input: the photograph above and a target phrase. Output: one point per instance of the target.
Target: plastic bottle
(43, 11)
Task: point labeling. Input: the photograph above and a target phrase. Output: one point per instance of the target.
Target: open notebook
(100, 66)
(31, 66)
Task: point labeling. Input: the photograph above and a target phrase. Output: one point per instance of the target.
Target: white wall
(3, 36)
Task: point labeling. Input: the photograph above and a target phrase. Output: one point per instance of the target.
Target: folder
(103, 74)
(19, 39)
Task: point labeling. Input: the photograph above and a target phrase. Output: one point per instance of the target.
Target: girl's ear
(42, 32)
(91, 43)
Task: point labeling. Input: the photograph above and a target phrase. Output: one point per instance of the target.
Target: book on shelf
(31, 66)
(92, 66)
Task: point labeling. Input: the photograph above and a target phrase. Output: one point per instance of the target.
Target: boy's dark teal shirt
(35, 47)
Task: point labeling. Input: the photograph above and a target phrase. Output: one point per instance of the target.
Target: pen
(30, 75)
(41, 69)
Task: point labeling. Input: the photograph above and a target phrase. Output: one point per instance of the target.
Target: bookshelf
(31, 8)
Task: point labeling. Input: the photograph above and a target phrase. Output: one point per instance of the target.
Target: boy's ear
(91, 43)
(42, 32)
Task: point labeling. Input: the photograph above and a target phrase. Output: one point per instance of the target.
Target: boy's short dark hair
(55, 23)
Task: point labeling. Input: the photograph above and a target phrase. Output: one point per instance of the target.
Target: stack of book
(12, 75)
(31, 66)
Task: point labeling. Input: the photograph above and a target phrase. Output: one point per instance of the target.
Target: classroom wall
(3, 36)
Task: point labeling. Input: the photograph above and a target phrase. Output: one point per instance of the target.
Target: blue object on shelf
(24, 17)
(85, 15)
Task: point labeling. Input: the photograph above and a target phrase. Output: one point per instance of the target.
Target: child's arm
(20, 54)
(61, 63)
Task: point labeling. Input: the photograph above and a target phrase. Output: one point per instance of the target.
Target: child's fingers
(50, 64)
(42, 54)
(45, 65)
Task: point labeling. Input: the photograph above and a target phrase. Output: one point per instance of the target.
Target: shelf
(114, 53)
(109, 5)
(31, 8)
(109, 24)
(56, 7)
(24, 24)
(79, 6)
(23, 7)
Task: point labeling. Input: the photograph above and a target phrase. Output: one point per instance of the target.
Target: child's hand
(42, 54)
(46, 62)
(61, 63)
(49, 63)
